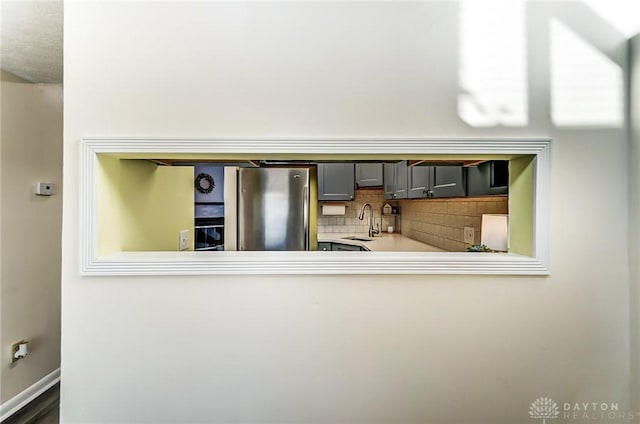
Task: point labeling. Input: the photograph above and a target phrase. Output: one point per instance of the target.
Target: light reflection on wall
(586, 86)
(492, 73)
(623, 14)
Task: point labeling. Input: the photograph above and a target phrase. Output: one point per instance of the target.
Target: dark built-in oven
(209, 234)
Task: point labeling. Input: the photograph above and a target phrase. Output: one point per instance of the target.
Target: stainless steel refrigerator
(273, 209)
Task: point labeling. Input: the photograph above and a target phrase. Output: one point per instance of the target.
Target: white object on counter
(495, 231)
(334, 209)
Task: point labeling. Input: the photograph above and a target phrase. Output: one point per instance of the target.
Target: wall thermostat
(45, 189)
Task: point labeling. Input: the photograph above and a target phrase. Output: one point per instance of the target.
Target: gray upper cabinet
(389, 180)
(419, 181)
(436, 181)
(402, 180)
(488, 178)
(396, 180)
(447, 181)
(336, 181)
(369, 174)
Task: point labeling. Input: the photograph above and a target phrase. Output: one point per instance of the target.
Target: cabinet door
(479, 178)
(402, 180)
(343, 247)
(390, 180)
(368, 174)
(324, 246)
(447, 181)
(336, 181)
(419, 181)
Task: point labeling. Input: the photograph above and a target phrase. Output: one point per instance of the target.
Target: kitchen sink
(356, 238)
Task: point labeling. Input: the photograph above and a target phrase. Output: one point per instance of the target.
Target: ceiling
(31, 42)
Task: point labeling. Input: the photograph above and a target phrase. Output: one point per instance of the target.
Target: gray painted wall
(30, 151)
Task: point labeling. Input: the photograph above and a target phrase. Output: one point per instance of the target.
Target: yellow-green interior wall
(109, 201)
(142, 206)
(521, 191)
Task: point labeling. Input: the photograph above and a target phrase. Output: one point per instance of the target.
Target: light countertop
(386, 243)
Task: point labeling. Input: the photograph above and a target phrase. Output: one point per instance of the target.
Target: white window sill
(316, 263)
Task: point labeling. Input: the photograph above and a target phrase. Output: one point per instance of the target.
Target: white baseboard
(20, 400)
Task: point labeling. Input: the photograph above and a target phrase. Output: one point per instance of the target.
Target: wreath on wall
(205, 183)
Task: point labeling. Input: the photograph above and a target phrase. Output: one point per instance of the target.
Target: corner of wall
(521, 182)
(9, 77)
(156, 203)
(634, 220)
(109, 169)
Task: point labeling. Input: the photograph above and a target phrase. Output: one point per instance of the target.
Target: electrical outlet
(469, 236)
(184, 239)
(19, 350)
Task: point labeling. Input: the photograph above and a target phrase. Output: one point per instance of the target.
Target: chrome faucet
(372, 231)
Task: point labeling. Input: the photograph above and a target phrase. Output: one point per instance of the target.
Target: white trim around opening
(244, 263)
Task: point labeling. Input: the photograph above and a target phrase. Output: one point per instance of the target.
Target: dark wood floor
(45, 409)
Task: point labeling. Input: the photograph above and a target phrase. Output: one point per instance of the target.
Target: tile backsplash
(438, 222)
(441, 222)
(349, 222)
